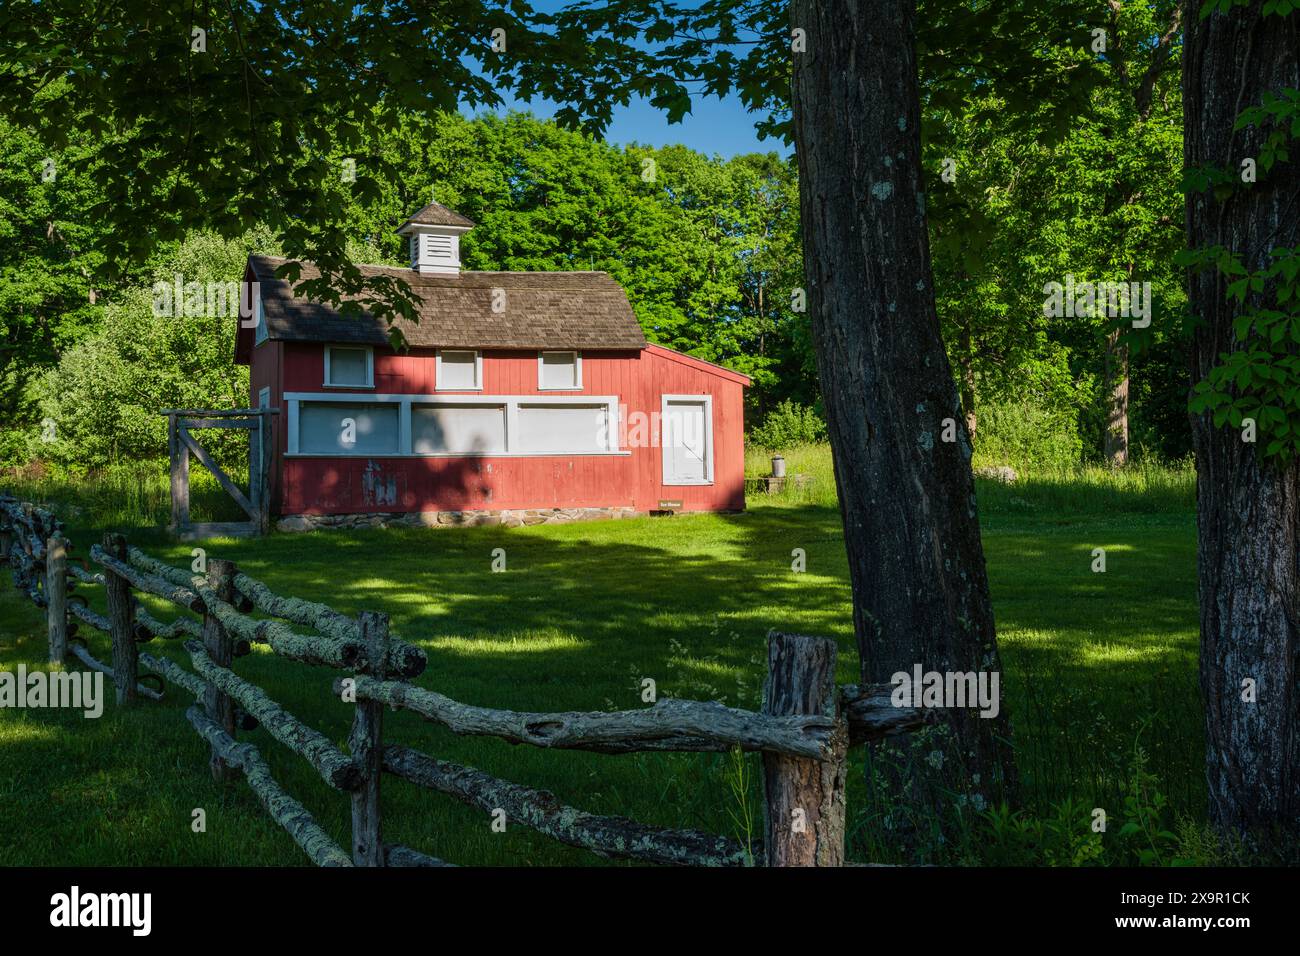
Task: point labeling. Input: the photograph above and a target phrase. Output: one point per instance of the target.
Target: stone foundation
(516, 518)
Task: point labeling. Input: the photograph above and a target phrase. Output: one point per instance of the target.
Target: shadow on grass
(583, 613)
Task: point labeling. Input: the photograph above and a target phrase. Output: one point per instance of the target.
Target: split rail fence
(804, 730)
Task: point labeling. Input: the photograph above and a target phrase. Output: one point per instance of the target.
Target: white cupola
(435, 233)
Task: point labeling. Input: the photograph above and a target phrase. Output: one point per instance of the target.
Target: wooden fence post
(121, 618)
(220, 645)
(804, 822)
(180, 476)
(56, 594)
(367, 746)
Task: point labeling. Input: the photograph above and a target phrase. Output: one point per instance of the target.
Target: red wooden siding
(332, 485)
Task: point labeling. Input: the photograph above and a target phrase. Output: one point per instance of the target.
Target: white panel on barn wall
(404, 427)
(291, 428)
(323, 429)
(563, 428)
(462, 429)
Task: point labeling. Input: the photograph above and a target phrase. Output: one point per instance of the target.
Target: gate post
(259, 482)
(179, 455)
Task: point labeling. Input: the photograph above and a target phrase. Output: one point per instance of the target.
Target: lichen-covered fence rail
(672, 725)
(225, 701)
(803, 732)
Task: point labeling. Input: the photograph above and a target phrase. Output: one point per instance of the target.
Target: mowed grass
(579, 618)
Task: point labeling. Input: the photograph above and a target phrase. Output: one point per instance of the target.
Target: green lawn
(581, 615)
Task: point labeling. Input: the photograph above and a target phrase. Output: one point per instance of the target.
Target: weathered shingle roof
(436, 214)
(561, 310)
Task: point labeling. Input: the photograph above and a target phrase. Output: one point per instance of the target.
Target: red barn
(522, 397)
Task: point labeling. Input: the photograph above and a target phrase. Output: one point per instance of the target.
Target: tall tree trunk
(916, 564)
(1248, 511)
(1116, 447)
(1117, 384)
(967, 365)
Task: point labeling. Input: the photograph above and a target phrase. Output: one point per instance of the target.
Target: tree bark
(1248, 511)
(916, 563)
(1116, 446)
(967, 366)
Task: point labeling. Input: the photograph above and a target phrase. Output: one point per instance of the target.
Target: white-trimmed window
(686, 436)
(338, 428)
(441, 425)
(559, 371)
(459, 370)
(349, 366)
(264, 397)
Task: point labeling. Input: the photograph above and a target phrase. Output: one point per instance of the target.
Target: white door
(688, 443)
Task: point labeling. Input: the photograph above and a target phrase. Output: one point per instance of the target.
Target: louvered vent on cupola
(435, 233)
(440, 248)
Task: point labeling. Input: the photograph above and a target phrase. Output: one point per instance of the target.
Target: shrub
(103, 398)
(1027, 435)
(789, 424)
(17, 446)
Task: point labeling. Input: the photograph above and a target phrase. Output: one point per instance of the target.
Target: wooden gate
(181, 444)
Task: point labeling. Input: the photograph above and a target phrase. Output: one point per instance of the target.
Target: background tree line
(708, 249)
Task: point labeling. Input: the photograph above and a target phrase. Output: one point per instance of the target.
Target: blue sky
(714, 125)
